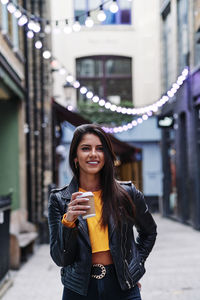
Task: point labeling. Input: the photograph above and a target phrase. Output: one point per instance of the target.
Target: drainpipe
(27, 117)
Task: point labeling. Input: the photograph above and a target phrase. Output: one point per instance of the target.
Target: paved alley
(173, 269)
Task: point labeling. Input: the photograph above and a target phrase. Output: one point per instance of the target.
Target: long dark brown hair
(116, 201)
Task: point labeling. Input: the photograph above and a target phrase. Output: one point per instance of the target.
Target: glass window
(167, 50)
(89, 67)
(183, 43)
(107, 76)
(123, 16)
(197, 31)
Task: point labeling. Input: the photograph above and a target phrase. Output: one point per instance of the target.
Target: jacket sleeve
(145, 225)
(63, 240)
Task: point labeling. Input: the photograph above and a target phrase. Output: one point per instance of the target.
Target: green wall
(9, 150)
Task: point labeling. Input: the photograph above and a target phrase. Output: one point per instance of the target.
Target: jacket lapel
(82, 224)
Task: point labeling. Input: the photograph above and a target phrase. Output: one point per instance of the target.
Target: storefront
(181, 154)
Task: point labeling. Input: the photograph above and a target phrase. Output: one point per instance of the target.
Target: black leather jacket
(128, 256)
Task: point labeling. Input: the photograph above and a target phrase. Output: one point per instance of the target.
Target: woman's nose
(93, 152)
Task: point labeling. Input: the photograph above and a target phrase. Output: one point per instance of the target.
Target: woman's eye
(100, 148)
(85, 148)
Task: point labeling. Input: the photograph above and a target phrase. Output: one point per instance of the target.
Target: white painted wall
(140, 41)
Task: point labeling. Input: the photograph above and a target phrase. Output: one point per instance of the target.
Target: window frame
(105, 76)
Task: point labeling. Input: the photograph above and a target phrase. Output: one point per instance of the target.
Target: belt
(99, 271)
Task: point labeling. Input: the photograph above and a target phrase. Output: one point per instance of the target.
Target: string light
(11, 8)
(30, 34)
(47, 28)
(22, 20)
(17, 14)
(101, 16)
(114, 7)
(4, 2)
(46, 54)
(67, 29)
(76, 26)
(89, 22)
(38, 44)
(25, 16)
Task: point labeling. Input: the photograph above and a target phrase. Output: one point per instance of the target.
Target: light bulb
(83, 90)
(47, 28)
(114, 7)
(89, 95)
(89, 22)
(11, 8)
(101, 16)
(4, 2)
(46, 54)
(31, 25)
(69, 78)
(38, 45)
(22, 20)
(30, 34)
(95, 99)
(76, 84)
(67, 29)
(36, 27)
(76, 26)
(62, 71)
(17, 14)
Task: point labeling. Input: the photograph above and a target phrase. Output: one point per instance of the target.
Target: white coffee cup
(90, 211)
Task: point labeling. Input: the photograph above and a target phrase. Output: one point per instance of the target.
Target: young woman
(100, 258)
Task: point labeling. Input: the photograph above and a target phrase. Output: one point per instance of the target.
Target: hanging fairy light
(95, 99)
(89, 95)
(89, 22)
(17, 14)
(62, 71)
(30, 34)
(11, 8)
(76, 26)
(67, 29)
(69, 78)
(22, 20)
(101, 16)
(114, 7)
(4, 2)
(46, 54)
(47, 28)
(31, 25)
(83, 90)
(36, 27)
(56, 29)
(76, 84)
(38, 44)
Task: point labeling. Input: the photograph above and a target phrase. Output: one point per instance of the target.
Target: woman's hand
(76, 207)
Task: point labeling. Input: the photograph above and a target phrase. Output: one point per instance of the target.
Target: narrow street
(173, 269)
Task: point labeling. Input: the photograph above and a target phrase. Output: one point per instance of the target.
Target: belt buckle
(103, 271)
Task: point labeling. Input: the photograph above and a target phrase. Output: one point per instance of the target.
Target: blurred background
(131, 66)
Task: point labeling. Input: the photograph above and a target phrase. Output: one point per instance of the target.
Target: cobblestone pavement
(173, 269)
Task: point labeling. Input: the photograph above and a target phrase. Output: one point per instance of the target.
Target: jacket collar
(70, 189)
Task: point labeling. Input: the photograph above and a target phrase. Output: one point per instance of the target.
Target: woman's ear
(76, 163)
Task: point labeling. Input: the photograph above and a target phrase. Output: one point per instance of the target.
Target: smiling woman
(99, 255)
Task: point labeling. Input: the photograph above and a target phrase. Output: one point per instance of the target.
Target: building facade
(180, 22)
(118, 59)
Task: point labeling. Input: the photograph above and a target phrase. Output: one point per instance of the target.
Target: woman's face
(90, 155)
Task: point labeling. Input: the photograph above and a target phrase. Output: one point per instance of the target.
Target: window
(197, 31)
(123, 16)
(183, 43)
(10, 28)
(109, 77)
(167, 48)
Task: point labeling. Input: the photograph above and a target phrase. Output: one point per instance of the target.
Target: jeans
(107, 288)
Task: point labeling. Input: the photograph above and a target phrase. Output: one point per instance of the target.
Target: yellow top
(98, 235)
